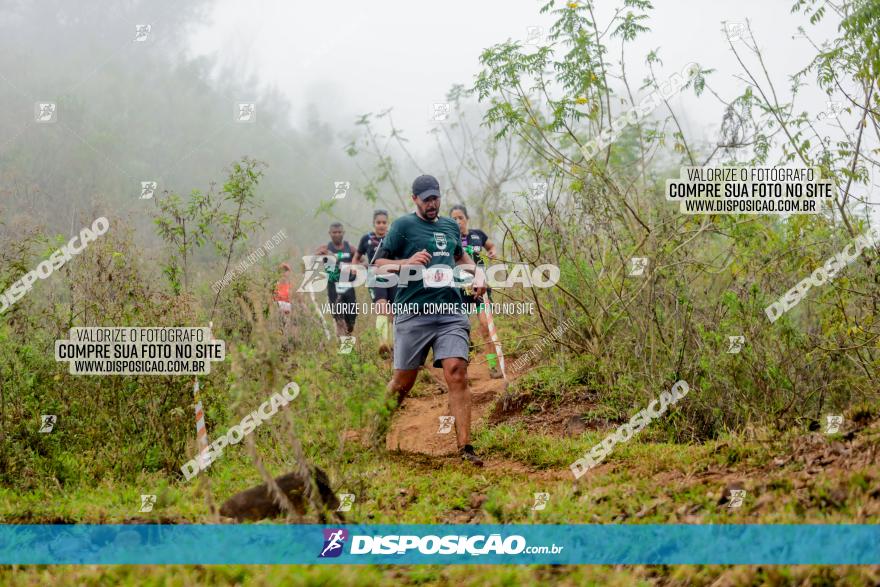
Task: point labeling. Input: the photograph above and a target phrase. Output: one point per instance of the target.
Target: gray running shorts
(415, 334)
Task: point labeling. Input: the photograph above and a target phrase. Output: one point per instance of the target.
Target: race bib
(437, 277)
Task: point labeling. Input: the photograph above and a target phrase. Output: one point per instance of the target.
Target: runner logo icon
(440, 239)
(334, 540)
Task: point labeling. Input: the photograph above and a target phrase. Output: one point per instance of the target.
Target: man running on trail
(340, 292)
(477, 244)
(424, 247)
(382, 297)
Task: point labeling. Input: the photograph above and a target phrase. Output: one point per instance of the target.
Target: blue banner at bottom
(440, 544)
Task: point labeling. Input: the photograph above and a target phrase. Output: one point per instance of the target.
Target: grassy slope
(797, 477)
(828, 480)
(648, 483)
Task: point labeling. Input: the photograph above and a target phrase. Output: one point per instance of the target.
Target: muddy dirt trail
(416, 424)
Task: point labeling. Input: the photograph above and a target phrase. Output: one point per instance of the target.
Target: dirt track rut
(415, 425)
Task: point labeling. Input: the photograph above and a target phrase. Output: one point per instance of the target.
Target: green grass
(461, 576)
(641, 482)
(645, 480)
(658, 478)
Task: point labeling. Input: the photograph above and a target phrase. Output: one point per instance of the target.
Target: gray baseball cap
(426, 186)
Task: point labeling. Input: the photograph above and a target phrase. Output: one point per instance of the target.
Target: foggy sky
(350, 57)
(128, 116)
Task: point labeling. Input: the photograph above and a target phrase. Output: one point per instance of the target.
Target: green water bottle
(334, 272)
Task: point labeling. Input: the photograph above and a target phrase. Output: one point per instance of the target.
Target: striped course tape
(201, 430)
(491, 324)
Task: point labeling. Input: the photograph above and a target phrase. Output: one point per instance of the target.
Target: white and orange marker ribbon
(201, 430)
(491, 325)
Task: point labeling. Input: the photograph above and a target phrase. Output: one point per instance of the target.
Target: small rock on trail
(258, 502)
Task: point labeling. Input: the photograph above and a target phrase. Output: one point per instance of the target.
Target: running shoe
(467, 454)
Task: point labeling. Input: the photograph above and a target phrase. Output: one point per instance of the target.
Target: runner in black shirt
(477, 244)
(382, 297)
(339, 292)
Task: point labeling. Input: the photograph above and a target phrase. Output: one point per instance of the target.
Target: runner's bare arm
(360, 253)
(420, 258)
(490, 249)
